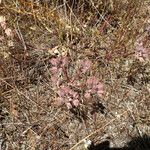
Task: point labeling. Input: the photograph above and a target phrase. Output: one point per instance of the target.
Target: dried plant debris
(74, 73)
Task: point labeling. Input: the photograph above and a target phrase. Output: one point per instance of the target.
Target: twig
(20, 36)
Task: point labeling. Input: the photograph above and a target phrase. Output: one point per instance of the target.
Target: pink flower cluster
(84, 65)
(65, 83)
(141, 53)
(68, 96)
(58, 66)
(93, 87)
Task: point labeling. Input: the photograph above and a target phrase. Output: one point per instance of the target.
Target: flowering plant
(65, 83)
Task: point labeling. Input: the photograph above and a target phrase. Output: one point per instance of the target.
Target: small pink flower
(69, 106)
(141, 53)
(76, 103)
(60, 61)
(74, 94)
(2, 38)
(2, 19)
(3, 22)
(85, 65)
(55, 81)
(66, 89)
(100, 93)
(9, 33)
(54, 61)
(59, 101)
(93, 87)
(69, 96)
(100, 86)
(92, 82)
(54, 70)
(64, 61)
(3, 25)
(61, 93)
(87, 95)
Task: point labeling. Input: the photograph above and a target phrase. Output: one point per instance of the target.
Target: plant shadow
(137, 143)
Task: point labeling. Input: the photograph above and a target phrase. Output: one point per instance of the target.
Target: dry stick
(96, 131)
(20, 36)
(64, 1)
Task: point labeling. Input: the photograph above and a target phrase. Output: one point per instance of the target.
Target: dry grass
(105, 31)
